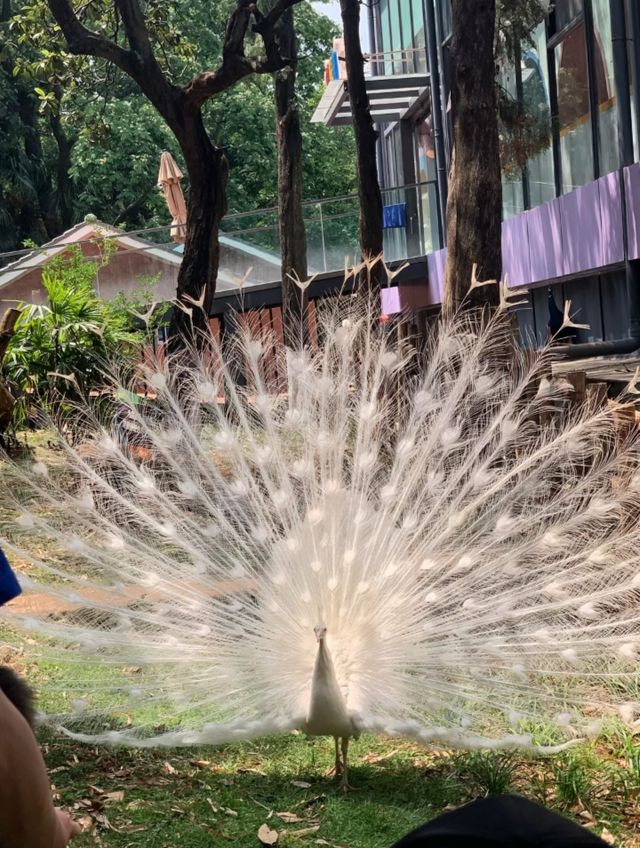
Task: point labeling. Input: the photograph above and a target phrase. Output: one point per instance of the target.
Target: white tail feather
(477, 573)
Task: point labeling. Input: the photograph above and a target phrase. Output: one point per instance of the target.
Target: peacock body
(453, 555)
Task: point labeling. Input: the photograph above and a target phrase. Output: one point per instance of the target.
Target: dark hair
(19, 693)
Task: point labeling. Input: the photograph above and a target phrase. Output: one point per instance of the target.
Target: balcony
(397, 84)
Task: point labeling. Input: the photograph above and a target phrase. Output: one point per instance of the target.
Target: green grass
(205, 797)
(210, 797)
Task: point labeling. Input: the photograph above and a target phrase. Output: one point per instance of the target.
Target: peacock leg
(344, 783)
(336, 771)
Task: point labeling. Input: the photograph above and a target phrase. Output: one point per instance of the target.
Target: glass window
(512, 197)
(537, 111)
(574, 114)
(394, 239)
(419, 42)
(396, 38)
(511, 141)
(385, 30)
(605, 87)
(394, 157)
(566, 12)
(426, 172)
(407, 36)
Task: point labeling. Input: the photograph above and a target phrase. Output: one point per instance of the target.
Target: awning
(392, 99)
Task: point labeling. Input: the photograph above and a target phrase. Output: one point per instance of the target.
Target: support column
(633, 10)
(622, 81)
(437, 115)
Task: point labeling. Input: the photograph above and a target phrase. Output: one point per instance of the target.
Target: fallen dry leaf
(290, 818)
(114, 796)
(86, 823)
(301, 784)
(168, 768)
(304, 831)
(607, 837)
(308, 802)
(266, 835)
(96, 789)
(200, 763)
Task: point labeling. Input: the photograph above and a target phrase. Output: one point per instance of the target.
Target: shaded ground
(208, 797)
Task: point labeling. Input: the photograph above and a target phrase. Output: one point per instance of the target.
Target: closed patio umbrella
(169, 178)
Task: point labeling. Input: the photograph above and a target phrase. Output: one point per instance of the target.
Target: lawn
(207, 797)
(210, 797)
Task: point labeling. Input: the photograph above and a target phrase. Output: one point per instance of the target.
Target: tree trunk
(33, 219)
(293, 239)
(64, 184)
(366, 136)
(474, 207)
(207, 204)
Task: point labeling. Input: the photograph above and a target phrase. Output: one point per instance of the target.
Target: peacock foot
(334, 771)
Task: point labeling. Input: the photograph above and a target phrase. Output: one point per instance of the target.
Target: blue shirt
(9, 586)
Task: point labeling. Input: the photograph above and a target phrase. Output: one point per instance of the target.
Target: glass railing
(250, 244)
(404, 60)
(412, 228)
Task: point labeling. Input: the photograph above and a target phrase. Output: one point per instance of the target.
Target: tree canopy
(114, 136)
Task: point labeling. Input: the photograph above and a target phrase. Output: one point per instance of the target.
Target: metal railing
(403, 60)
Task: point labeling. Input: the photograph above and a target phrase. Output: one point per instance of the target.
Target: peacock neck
(324, 663)
(327, 708)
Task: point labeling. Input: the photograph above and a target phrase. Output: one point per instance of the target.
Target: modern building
(570, 113)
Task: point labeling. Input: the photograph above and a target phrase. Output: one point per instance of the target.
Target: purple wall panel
(435, 263)
(545, 241)
(611, 227)
(390, 300)
(580, 222)
(577, 233)
(632, 192)
(515, 251)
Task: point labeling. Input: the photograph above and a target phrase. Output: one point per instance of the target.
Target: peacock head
(320, 631)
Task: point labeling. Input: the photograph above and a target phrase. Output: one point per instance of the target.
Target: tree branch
(235, 65)
(138, 62)
(268, 21)
(135, 29)
(82, 41)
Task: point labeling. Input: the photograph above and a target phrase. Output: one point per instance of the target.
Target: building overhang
(393, 98)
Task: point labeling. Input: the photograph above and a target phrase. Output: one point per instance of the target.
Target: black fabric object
(500, 821)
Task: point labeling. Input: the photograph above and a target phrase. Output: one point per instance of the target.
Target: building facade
(569, 117)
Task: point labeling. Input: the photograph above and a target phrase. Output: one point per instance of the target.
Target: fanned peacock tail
(468, 539)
